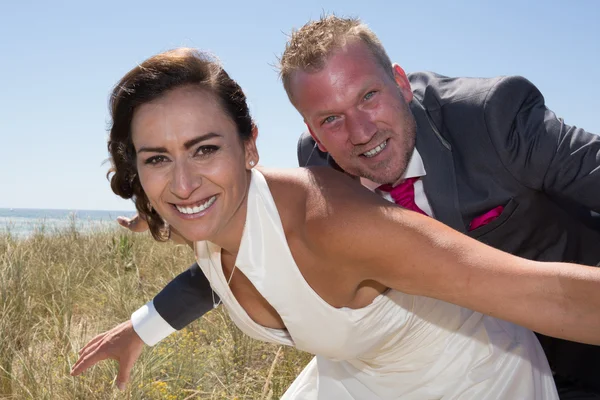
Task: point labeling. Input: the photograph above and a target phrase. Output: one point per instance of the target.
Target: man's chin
(382, 173)
(382, 177)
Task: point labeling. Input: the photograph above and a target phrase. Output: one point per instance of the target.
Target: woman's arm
(375, 240)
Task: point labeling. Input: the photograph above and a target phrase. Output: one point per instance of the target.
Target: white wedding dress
(398, 347)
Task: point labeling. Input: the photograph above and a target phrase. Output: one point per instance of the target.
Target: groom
(484, 156)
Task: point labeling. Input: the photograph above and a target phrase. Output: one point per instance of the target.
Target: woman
(273, 242)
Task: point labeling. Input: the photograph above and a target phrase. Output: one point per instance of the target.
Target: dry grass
(59, 289)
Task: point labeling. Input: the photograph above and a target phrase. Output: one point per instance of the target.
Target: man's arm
(186, 298)
(538, 148)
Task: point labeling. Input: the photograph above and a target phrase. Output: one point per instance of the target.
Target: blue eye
(328, 120)
(370, 95)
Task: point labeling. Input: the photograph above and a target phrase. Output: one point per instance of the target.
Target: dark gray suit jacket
(485, 143)
(492, 142)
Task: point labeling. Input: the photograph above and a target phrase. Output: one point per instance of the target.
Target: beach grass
(59, 289)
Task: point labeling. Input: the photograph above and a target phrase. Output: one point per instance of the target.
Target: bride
(392, 303)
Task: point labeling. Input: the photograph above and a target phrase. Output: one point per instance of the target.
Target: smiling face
(358, 113)
(192, 163)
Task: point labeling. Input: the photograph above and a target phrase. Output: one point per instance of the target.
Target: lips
(196, 208)
(373, 152)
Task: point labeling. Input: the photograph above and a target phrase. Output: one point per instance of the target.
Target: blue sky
(60, 59)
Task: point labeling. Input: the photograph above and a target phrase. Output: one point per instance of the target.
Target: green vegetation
(60, 289)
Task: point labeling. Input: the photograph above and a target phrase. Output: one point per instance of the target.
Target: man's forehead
(332, 94)
(354, 60)
(353, 54)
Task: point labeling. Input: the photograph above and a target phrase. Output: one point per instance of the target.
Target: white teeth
(198, 208)
(375, 151)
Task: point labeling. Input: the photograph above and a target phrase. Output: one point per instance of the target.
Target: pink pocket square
(485, 218)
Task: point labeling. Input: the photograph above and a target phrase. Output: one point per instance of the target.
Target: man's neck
(369, 184)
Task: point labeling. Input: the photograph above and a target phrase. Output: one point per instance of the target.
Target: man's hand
(121, 343)
(135, 224)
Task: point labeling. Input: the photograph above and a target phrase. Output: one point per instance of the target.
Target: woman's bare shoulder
(321, 200)
(318, 191)
(288, 188)
(287, 185)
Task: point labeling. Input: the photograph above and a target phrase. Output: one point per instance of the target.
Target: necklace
(216, 304)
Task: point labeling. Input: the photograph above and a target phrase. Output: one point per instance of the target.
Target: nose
(185, 179)
(360, 127)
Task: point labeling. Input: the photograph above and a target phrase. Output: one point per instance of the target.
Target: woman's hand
(121, 343)
(135, 224)
(138, 224)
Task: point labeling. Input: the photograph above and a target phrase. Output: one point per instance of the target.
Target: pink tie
(404, 194)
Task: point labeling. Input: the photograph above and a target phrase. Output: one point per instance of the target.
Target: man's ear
(403, 83)
(250, 150)
(321, 147)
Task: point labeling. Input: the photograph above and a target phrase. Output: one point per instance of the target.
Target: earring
(251, 163)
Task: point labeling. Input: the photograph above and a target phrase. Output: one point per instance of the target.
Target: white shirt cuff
(149, 325)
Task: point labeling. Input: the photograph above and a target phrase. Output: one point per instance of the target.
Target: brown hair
(310, 46)
(148, 81)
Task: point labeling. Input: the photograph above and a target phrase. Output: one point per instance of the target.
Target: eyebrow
(186, 145)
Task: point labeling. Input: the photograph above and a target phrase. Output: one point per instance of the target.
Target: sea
(24, 222)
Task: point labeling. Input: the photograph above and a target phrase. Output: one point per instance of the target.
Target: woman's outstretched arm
(375, 240)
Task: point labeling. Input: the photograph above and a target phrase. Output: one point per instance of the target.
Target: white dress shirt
(414, 169)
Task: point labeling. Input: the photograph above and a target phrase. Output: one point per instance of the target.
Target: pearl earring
(251, 163)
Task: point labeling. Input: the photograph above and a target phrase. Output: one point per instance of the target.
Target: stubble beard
(391, 170)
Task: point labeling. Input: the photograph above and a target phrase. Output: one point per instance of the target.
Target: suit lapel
(440, 180)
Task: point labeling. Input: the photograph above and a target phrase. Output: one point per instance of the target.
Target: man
(484, 156)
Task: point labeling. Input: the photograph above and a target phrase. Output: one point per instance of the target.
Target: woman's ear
(251, 152)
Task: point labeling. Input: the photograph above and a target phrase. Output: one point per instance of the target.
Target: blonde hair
(310, 46)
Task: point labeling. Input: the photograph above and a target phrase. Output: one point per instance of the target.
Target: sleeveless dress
(398, 347)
